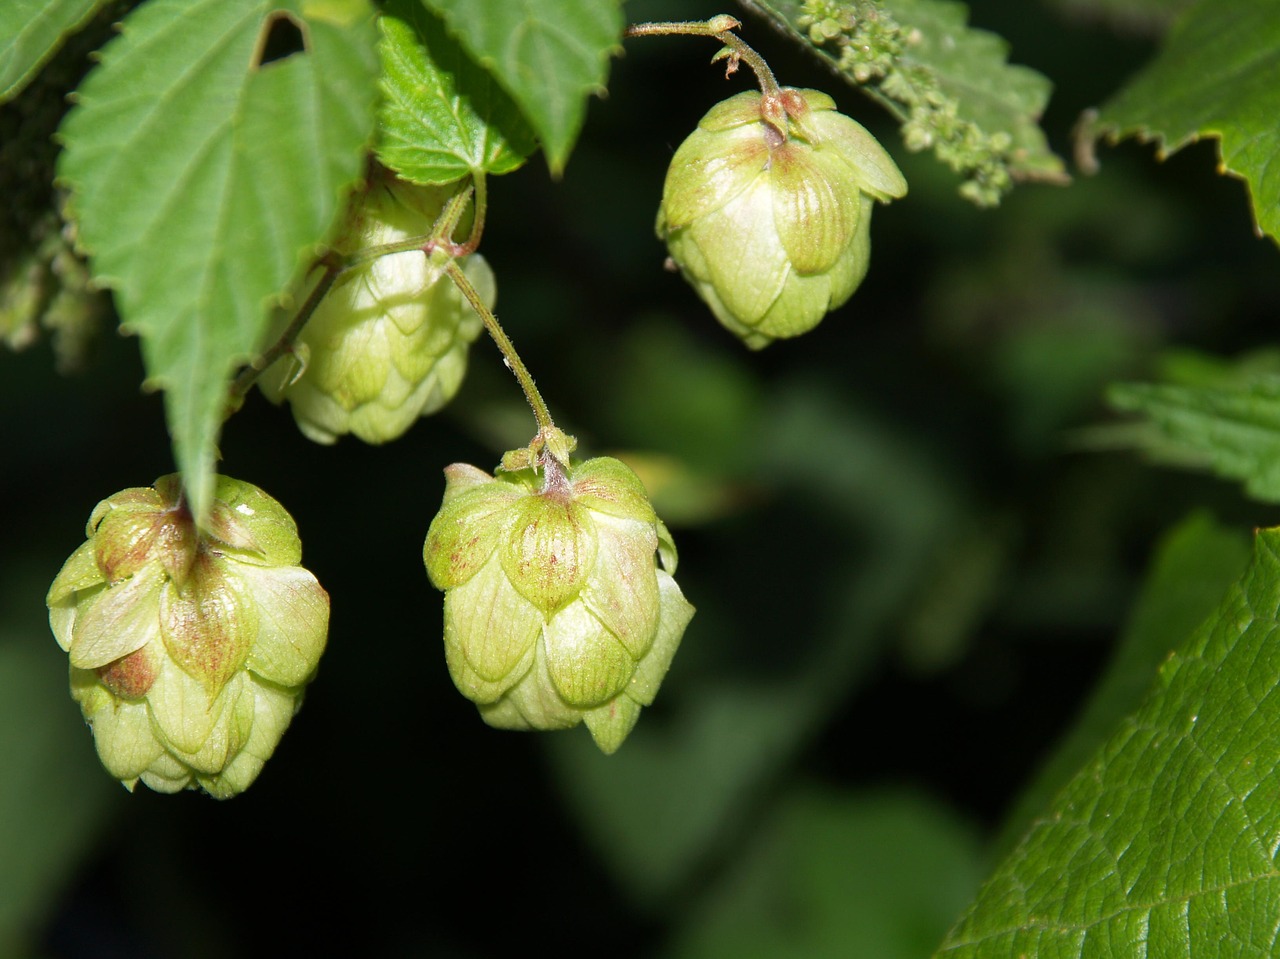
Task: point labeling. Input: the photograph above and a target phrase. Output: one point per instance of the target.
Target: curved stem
(246, 378)
(335, 265)
(472, 243)
(509, 355)
(721, 27)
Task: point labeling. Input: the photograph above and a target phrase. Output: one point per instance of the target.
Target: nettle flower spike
(766, 209)
(389, 341)
(560, 606)
(189, 648)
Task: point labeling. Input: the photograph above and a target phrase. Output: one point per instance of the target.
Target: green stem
(335, 266)
(721, 27)
(246, 378)
(472, 243)
(441, 231)
(509, 355)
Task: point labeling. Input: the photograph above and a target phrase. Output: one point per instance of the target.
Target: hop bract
(189, 649)
(559, 603)
(767, 210)
(389, 342)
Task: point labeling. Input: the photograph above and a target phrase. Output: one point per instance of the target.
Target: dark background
(911, 570)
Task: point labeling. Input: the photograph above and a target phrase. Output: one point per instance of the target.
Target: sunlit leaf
(1214, 77)
(550, 55)
(1165, 843)
(202, 181)
(443, 117)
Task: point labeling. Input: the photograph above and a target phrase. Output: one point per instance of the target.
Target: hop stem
(333, 267)
(549, 443)
(721, 27)
(509, 355)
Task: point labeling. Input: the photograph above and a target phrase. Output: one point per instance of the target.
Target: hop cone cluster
(560, 606)
(766, 209)
(189, 648)
(389, 342)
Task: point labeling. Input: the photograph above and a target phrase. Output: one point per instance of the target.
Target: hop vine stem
(335, 265)
(540, 412)
(720, 27)
(439, 239)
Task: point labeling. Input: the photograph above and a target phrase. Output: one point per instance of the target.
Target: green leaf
(550, 55)
(53, 791)
(1214, 77)
(957, 92)
(1194, 565)
(443, 117)
(663, 807)
(31, 31)
(832, 875)
(202, 183)
(1165, 843)
(1233, 430)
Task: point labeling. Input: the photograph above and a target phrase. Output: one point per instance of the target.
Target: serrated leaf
(982, 99)
(1165, 844)
(443, 117)
(202, 182)
(31, 31)
(550, 55)
(1233, 430)
(1193, 567)
(1215, 76)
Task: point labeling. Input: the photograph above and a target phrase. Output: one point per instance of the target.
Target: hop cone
(189, 649)
(388, 343)
(559, 603)
(766, 209)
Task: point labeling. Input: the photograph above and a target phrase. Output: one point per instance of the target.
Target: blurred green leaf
(1194, 565)
(661, 809)
(550, 55)
(980, 114)
(830, 875)
(1233, 430)
(443, 117)
(202, 182)
(1215, 76)
(54, 795)
(1145, 16)
(1165, 843)
(31, 31)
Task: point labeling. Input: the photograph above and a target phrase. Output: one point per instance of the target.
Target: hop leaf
(189, 648)
(766, 209)
(389, 342)
(560, 606)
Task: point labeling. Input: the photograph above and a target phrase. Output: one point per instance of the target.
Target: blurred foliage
(1214, 78)
(910, 558)
(1164, 839)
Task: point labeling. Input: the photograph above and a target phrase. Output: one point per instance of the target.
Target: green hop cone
(189, 649)
(559, 606)
(766, 209)
(389, 342)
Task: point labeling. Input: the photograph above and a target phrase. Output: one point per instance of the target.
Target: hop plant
(560, 606)
(766, 209)
(189, 648)
(389, 342)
